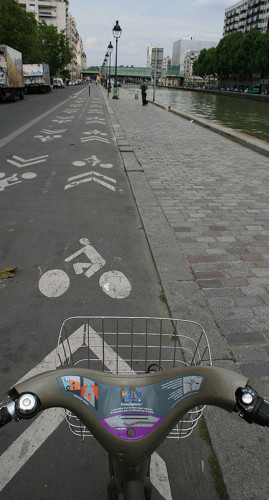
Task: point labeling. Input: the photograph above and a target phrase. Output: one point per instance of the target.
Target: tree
(18, 29)
(237, 56)
(54, 48)
(38, 42)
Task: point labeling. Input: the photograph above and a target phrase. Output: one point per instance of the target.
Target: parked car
(254, 90)
(58, 83)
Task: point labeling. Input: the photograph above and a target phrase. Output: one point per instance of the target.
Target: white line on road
(25, 127)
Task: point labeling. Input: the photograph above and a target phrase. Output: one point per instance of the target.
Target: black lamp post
(109, 50)
(117, 31)
(106, 60)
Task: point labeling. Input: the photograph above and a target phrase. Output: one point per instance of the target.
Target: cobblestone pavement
(215, 196)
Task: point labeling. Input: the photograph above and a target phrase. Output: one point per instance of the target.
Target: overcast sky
(157, 22)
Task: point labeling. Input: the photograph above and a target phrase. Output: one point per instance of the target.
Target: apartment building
(53, 12)
(190, 58)
(246, 15)
(181, 47)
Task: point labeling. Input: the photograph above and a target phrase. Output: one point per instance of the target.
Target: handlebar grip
(262, 415)
(5, 416)
(252, 407)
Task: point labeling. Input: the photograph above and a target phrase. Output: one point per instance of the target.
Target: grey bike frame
(129, 459)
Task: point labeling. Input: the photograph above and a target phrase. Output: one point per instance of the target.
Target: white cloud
(143, 23)
(90, 42)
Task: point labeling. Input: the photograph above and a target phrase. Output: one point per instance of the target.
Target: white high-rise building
(246, 15)
(51, 11)
(149, 54)
(55, 12)
(181, 47)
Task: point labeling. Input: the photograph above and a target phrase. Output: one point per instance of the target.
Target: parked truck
(36, 77)
(11, 76)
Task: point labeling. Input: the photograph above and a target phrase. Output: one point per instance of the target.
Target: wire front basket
(132, 345)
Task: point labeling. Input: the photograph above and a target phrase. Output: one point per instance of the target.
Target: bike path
(70, 226)
(203, 200)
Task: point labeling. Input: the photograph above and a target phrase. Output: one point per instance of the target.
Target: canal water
(244, 115)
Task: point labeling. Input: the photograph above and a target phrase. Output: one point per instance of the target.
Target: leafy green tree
(18, 29)
(237, 56)
(38, 42)
(54, 48)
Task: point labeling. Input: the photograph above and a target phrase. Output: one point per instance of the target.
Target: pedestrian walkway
(210, 197)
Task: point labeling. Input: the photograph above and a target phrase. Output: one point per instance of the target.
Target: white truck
(36, 77)
(11, 76)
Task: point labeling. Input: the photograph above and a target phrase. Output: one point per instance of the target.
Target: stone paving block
(209, 275)
(235, 282)
(258, 324)
(245, 338)
(233, 313)
(221, 302)
(211, 283)
(248, 301)
(261, 386)
(260, 272)
(224, 292)
(249, 353)
(231, 326)
(201, 258)
(261, 310)
(253, 290)
(255, 369)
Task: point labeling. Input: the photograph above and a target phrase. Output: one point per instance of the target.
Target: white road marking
(115, 284)
(6, 182)
(89, 177)
(21, 162)
(159, 476)
(96, 261)
(28, 175)
(93, 138)
(22, 129)
(54, 283)
(51, 132)
(17, 454)
(94, 161)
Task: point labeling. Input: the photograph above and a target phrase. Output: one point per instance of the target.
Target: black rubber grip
(5, 416)
(262, 415)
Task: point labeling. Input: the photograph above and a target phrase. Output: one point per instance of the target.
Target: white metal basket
(132, 345)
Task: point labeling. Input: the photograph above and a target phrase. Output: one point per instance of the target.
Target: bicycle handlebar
(134, 413)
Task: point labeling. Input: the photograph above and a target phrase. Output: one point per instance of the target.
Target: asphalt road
(70, 226)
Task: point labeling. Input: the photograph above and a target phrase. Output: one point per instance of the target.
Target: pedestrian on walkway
(144, 92)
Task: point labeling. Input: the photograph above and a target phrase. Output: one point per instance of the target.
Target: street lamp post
(106, 61)
(117, 31)
(109, 50)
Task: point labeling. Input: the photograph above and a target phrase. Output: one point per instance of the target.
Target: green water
(244, 115)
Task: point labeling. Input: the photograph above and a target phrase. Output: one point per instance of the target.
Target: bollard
(136, 96)
(89, 90)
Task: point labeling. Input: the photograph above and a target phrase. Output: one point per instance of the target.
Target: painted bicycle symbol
(56, 282)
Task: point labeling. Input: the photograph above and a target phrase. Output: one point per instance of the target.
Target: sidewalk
(204, 203)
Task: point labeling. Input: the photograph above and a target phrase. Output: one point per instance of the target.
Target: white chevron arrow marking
(100, 139)
(26, 163)
(93, 176)
(17, 454)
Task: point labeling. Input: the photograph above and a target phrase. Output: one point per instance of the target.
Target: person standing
(144, 88)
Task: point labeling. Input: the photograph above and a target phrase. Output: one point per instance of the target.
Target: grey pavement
(204, 203)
